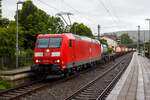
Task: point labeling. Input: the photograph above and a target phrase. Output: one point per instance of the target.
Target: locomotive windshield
(49, 42)
(42, 43)
(55, 42)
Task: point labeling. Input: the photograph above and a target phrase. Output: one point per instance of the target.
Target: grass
(81, 75)
(5, 84)
(4, 68)
(61, 91)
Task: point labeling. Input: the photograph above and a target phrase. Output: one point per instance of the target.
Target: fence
(11, 61)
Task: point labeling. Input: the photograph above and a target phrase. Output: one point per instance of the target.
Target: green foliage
(110, 50)
(29, 52)
(104, 41)
(4, 22)
(21, 64)
(7, 41)
(149, 46)
(35, 21)
(125, 39)
(61, 91)
(3, 68)
(4, 84)
(0, 10)
(81, 29)
(81, 75)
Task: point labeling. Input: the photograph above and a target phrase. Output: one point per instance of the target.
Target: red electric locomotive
(62, 53)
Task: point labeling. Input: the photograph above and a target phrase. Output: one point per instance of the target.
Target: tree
(7, 41)
(35, 21)
(125, 39)
(81, 29)
(104, 41)
(4, 22)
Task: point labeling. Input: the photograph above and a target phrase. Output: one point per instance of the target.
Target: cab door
(72, 46)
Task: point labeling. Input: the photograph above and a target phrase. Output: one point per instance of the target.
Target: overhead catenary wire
(107, 10)
(114, 11)
(50, 6)
(78, 12)
(55, 9)
(81, 14)
(114, 16)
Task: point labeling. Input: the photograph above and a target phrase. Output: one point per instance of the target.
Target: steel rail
(72, 97)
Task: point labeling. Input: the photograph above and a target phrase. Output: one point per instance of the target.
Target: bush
(110, 50)
(4, 84)
(28, 52)
(3, 68)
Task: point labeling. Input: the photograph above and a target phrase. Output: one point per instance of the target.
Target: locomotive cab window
(49, 42)
(70, 43)
(42, 43)
(55, 42)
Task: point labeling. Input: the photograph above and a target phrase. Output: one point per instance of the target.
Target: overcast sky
(112, 15)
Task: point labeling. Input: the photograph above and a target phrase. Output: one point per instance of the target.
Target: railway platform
(134, 84)
(16, 71)
(17, 74)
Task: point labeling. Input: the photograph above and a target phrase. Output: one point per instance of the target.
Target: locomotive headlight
(57, 61)
(47, 50)
(37, 61)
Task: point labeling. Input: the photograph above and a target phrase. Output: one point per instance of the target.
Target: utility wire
(49, 5)
(78, 12)
(107, 10)
(114, 11)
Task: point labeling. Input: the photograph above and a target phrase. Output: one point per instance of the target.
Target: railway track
(100, 87)
(28, 89)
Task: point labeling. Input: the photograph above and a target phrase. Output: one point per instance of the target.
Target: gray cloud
(112, 15)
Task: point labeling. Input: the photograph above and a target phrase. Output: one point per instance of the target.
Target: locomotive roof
(70, 36)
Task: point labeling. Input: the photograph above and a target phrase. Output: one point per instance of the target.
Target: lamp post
(138, 38)
(75, 29)
(18, 2)
(98, 31)
(144, 43)
(148, 19)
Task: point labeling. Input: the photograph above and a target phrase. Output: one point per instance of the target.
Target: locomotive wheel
(67, 72)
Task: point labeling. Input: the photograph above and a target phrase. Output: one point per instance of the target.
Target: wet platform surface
(135, 82)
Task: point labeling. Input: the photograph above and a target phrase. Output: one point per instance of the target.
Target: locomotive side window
(70, 43)
(42, 43)
(55, 42)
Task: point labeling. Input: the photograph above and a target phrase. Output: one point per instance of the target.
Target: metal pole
(139, 38)
(19, 2)
(17, 38)
(144, 43)
(98, 31)
(69, 19)
(75, 29)
(149, 36)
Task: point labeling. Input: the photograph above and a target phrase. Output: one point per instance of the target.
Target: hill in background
(133, 34)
